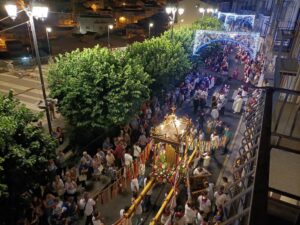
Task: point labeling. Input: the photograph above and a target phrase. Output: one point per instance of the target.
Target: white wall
(90, 24)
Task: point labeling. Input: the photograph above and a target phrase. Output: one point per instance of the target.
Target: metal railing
(237, 209)
(249, 192)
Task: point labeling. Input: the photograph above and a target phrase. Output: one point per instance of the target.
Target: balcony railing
(250, 191)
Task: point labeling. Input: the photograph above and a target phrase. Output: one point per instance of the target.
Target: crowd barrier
(123, 178)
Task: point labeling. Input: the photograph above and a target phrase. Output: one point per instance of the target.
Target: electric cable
(9, 28)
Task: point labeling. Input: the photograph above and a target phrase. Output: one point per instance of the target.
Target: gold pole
(170, 194)
(163, 206)
(139, 198)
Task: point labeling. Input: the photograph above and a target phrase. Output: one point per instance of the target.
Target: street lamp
(109, 27)
(150, 26)
(171, 11)
(48, 30)
(38, 12)
(209, 10)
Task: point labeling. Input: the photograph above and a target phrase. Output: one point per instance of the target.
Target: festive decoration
(237, 22)
(172, 130)
(171, 135)
(164, 172)
(249, 41)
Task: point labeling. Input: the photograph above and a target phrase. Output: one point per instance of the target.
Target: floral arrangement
(163, 172)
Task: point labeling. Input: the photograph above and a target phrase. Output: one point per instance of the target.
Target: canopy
(172, 130)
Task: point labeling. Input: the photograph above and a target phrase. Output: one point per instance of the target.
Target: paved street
(26, 86)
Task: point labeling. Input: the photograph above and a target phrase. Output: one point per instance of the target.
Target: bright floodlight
(210, 10)
(201, 10)
(11, 10)
(48, 29)
(180, 11)
(40, 12)
(110, 27)
(150, 24)
(169, 10)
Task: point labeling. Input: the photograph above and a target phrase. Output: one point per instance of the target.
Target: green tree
(165, 62)
(185, 34)
(24, 151)
(97, 88)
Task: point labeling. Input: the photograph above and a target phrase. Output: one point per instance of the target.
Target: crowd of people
(64, 199)
(252, 68)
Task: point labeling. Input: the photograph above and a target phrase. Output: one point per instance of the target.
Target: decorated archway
(250, 42)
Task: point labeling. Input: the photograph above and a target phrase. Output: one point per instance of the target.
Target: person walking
(237, 104)
(87, 205)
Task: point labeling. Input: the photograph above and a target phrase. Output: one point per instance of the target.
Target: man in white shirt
(204, 204)
(199, 171)
(128, 159)
(189, 214)
(134, 185)
(87, 205)
(136, 150)
(142, 140)
(123, 211)
(97, 220)
(209, 187)
(220, 197)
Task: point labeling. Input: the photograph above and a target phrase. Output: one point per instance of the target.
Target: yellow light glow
(122, 19)
(94, 7)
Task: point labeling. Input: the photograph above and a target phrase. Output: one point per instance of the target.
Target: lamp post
(109, 27)
(48, 30)
(171, 11)
(39, 12)
(149, 32)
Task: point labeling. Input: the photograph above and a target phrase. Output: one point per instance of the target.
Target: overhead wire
(9, 16)
(9, 28)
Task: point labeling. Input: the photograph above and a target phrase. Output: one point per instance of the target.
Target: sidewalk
(233, 152)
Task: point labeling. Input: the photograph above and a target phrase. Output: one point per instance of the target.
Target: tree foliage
(97, 88)
(185, 34)
(24, 148)
(165, 62)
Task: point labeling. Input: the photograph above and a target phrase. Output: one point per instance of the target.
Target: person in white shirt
(189, 213)
(143, 140)
(136, 150)
(87, 205)
(128, 159)
(215, 114)
(199, 171)
(220, 197)
(134, 185)
(123, 211)
(97, 219)
(204, 204)
(209, 187)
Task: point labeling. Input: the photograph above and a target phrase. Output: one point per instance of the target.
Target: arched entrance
(250, 42)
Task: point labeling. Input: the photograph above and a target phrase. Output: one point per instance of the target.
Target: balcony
(266, 173)
(284, 39)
